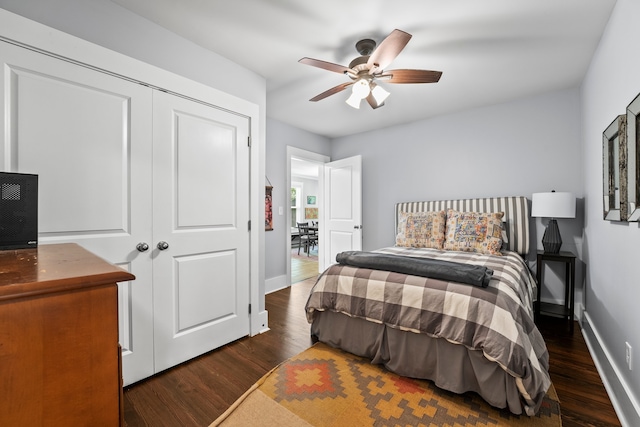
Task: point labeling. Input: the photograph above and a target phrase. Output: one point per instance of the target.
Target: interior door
(86, 135)
(201, 224)
(342, 210)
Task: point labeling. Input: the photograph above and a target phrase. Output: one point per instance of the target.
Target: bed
(477, 337)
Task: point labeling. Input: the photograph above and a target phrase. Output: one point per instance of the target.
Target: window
(297, 210)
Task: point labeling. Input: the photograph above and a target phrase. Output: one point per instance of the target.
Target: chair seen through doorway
(308, 238)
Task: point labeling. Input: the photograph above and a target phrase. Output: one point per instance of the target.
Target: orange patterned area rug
(325, 387)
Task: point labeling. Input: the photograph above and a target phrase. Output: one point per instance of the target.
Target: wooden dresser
(59, 351)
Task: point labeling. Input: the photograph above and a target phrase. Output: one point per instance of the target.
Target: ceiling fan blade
(336, 68)
(388, 49)
(331, 91)
(410, 76)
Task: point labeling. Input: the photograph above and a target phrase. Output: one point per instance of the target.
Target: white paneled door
(342, 186)
(201, 228)
(87, 136)
(121, 164)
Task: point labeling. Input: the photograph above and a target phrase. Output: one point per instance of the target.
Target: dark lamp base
(551, 241)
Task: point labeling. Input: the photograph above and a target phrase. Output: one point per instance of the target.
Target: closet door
(201, 234)
(87, 135)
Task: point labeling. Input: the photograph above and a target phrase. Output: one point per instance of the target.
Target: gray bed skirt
(450, 366)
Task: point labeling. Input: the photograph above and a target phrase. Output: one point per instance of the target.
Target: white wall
(612, 250)
(279, 136)
(516, 148)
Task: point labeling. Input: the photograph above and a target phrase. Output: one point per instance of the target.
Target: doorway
(304, 206)
(304, 211)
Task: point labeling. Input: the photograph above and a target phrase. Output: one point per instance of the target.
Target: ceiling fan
(368, 68)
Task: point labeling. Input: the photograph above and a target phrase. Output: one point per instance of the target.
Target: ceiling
(490, 51)
(304, 169)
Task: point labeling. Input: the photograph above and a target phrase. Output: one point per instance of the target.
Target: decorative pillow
(474, 232)
(421, 229)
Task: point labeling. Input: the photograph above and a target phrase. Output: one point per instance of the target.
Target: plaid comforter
(497, 320)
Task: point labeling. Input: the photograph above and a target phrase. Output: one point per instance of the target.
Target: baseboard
(260, 323)
(275, 284)
(578, 312)
(625, 404)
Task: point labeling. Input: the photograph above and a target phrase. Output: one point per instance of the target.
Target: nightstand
(566, 311)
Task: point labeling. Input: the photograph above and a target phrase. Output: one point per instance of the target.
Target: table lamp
(553, 205)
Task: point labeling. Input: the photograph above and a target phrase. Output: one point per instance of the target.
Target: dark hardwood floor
(197, 392)
(583, 399)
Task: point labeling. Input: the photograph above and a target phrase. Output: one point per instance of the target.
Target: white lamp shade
(361, 88)
(379, 94)
(354, 100)
(553, 205)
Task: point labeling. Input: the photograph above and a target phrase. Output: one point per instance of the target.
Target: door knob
(142, 247)
(162, 245)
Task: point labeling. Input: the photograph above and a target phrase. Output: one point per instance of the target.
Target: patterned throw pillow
(474, 232)
(421, 229)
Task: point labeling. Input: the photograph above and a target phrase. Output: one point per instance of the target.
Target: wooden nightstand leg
(572, 264)
(567, 282)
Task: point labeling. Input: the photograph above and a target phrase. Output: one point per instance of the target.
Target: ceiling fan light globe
(380, 94)
(361, 88)
(354, 101)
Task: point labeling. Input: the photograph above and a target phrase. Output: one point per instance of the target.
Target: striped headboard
(516, 215)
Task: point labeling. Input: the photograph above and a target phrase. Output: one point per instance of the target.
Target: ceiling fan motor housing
(365, 46)
(359, 64)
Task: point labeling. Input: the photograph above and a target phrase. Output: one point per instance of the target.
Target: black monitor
(18, 210)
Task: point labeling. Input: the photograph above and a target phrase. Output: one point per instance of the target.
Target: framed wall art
(268, 208)
(310, 213)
